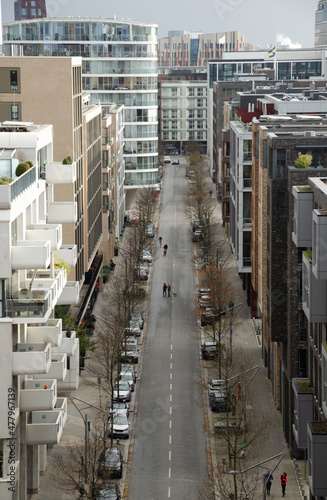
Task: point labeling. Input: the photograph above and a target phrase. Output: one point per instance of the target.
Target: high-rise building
(119, 66)
(321, 25)
(30, 9)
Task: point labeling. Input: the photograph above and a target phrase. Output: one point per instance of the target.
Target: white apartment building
(183, 114)
(37, 358)
(119, 66)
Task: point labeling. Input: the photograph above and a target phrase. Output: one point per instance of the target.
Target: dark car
(110, 492)
(175, 162)
(196, 224)
(208, 317)
(131, 355)
(209, 350)
(218, 402)
(197, 235)
(111, 463)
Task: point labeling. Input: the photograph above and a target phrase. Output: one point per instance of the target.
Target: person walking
(268, 478)
(165, 249)
(164, 290)
(168, 289)
(160, 241)
(283, 481)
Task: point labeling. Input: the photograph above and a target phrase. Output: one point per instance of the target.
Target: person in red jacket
(283, 481)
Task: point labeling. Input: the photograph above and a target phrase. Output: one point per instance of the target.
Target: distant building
(183, 111)
(321, 25)
(189, 49)
(30, 9)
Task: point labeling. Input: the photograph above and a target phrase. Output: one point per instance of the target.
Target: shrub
(303, 161)
(30, 163)
(22, 168)
(67, 161)
(5, 180)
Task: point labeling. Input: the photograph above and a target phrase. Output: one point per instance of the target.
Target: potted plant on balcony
(303, 161)
(24, 291)
(67, 161)
(61, 264)
(22, 168)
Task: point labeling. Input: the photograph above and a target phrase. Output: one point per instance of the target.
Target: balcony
(319, 244)
(67, 345)
(35, 309)
(314, 292)
(247, 156)
(46, 232)
(58, 368)
(28, 255)
(71, 381)
(324, 377)
(303, 410)
(51, 331)
(57, 173)
(44, 427)
(38, 394)
(317, 457)
(61, 405)
(31, 358)
(63, 212)
(68, 253)
(10, 192)
(70, 294)
(302, 221)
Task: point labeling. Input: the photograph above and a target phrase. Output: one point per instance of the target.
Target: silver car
(127, 378)
(122, 392)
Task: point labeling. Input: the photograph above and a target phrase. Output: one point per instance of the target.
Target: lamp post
(231, 307)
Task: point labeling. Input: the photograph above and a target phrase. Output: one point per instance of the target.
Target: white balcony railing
(31, 358)
(30, 255)
(58, 368)
(38, 394)
(70, 294)
(61, 404)
(62, 212)
(68, 344)
(51, 331)
(68, 253)
(45, 232)
(44, 427)
(57, 173)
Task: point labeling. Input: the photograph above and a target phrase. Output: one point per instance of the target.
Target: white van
(166, 159)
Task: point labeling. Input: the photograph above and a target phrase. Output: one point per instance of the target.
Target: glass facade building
(119, 66)
(321, 25)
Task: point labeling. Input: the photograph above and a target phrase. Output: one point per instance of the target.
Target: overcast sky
(260, 20)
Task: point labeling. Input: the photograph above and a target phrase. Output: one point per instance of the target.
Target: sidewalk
(244, 338)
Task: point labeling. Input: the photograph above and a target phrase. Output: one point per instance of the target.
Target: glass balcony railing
(33, 307)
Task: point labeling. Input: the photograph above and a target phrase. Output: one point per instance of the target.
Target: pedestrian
(165, 248)
(210, 194)
(283, 481)
(164, 290)
(160, 241)
(268, 478)
(168, 289)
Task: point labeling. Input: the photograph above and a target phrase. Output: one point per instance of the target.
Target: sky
(262, 21)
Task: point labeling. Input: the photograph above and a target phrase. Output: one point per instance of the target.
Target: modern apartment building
(189, 49)
(29, 9)
(183, 112)
(38, 359)
(119, 66)
(25, 97)
(321, 25)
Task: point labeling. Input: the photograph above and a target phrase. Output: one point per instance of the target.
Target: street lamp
(231, 307)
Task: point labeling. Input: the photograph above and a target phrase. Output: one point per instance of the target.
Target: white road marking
(170, 410)
(171, 347)
(169, 492)
(171, 387)
(171, 366)
(170, 439)
(171, 376)
(170, 456)
(171, 356)
(170, 424)
(171, 397)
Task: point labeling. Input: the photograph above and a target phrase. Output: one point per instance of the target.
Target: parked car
(122, 392)
(120, 427)
(133, 329)
(166, 159)
(143, 266)
(131, 355)
(208, 317)
(139, 318)
(127, 378)
(146, 256)
(109, 492)
(197, 236)
(130, 369)
(142, 275)
(175, 162)
(216, 385)
(209, 350)
(149, 230)
(196, 224)
(218, 401)
(205, 300)
(111, 463)
(119, 408)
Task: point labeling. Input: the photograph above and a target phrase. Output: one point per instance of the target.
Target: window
(191, 92)
(105, 204)
(14, 112)
(13, 80)
(282, 204)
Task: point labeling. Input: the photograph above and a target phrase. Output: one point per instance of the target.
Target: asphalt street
(169, 452)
